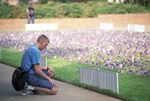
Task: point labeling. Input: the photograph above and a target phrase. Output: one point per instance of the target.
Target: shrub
(46, 11)
(135, 8)
(73, 10)
(23, 1)
(89, 10)
(43, 1)
(19, 11)
(75, 0)
(60, 10)
(6, 11)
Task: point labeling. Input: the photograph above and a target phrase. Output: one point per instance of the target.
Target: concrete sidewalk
(66, 91)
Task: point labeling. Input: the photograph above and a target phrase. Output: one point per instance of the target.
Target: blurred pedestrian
(30, 15)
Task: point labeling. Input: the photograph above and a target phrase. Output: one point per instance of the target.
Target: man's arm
(27, 12)
(42, 74)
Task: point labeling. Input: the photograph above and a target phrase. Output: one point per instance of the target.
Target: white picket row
(101, 79)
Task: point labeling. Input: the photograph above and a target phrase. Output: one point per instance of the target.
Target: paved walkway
(67, 92)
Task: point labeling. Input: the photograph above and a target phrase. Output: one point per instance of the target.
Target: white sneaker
(30, 87)
(26, 93)
(27, 90)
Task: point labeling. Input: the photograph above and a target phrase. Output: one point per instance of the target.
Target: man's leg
(32, 19)
(29, 19)
(42, 85)
(53, 91)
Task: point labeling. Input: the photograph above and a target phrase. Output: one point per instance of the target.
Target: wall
(120, 22)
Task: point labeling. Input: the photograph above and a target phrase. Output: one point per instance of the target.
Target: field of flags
(124, 51)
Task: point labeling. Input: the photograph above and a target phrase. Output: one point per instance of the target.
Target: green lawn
(132, 88)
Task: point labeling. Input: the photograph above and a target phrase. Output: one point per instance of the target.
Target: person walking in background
(30, 15)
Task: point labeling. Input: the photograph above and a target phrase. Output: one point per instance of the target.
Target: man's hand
(51, 72)
(51, 69)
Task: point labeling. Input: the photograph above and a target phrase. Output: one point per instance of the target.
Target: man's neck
(37, 44)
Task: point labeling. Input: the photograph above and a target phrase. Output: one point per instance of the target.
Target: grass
(135, 88)
(132, 88)
(11, 57)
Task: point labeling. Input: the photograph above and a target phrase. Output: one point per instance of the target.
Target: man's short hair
(42, 37)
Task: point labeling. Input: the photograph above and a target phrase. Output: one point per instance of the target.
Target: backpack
(19, 79)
